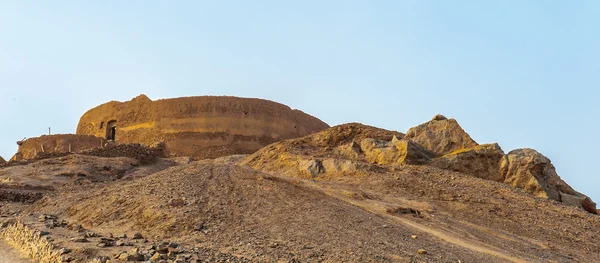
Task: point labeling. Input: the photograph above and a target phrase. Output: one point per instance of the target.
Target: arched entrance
(111, 130)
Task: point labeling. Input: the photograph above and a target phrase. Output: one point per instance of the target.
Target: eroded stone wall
(59, 143)
(202, 127)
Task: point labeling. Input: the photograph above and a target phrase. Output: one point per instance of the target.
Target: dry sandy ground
(9, 255)
(236, 211)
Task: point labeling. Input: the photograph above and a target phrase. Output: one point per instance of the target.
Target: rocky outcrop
(395, 152)
(579, 200)
(481, 161)
(59, 143)
(532, 171)
(441, 135)
(2, 161)
(202, 127)
(347, 133)
(351, 149)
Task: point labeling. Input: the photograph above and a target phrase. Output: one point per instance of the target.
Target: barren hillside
(352, 193)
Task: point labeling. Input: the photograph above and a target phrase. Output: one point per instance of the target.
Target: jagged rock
(156, 257)
(339, 166)
(439, 117)
(351, 150)
(313, 167)
(132, 255)
(44, 217)
(79, 239)
(579, 200)
(395, 152)
(481, 161)
(412, 152)
(137, 236)
(440, 136)
(532, 171)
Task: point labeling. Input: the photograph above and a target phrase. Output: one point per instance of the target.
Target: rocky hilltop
(349, 193)
(201, 127)
(440, 143)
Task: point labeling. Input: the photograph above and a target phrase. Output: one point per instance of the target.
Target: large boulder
(579, 200)
(532, 171)
(441, 135)
(398, 151)
(481, 161)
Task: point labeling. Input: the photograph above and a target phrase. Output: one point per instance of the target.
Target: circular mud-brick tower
(201, 127)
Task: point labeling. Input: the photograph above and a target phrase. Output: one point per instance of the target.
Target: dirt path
(379, 209)
(9, 255)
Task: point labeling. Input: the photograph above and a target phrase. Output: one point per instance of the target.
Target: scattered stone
(137, 236)
(75, 227)
(414, 237)
(102, 259)
(64, 250)
(121, 243)
(79, 239)
(422, 251)
(177, 202)
(200, 227)
(66, 258)
(44, 217)
(91, 234)
(156, 257)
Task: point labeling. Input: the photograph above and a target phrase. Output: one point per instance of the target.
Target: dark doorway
(111, 130)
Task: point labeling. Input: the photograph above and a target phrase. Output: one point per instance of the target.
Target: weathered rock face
(203, 127)
(481, 161)
(532, 171)
(347, 133)
(355, 149)
(394, 152)
(579, 200)
(441, 135)
(2, 161)
(59, 143)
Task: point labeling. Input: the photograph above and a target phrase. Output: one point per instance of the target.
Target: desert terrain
(351, 193)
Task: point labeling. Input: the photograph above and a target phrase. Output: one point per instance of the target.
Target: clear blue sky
(520, 73)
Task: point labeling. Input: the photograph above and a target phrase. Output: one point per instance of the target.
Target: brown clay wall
(58, 143)
(202, 127)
